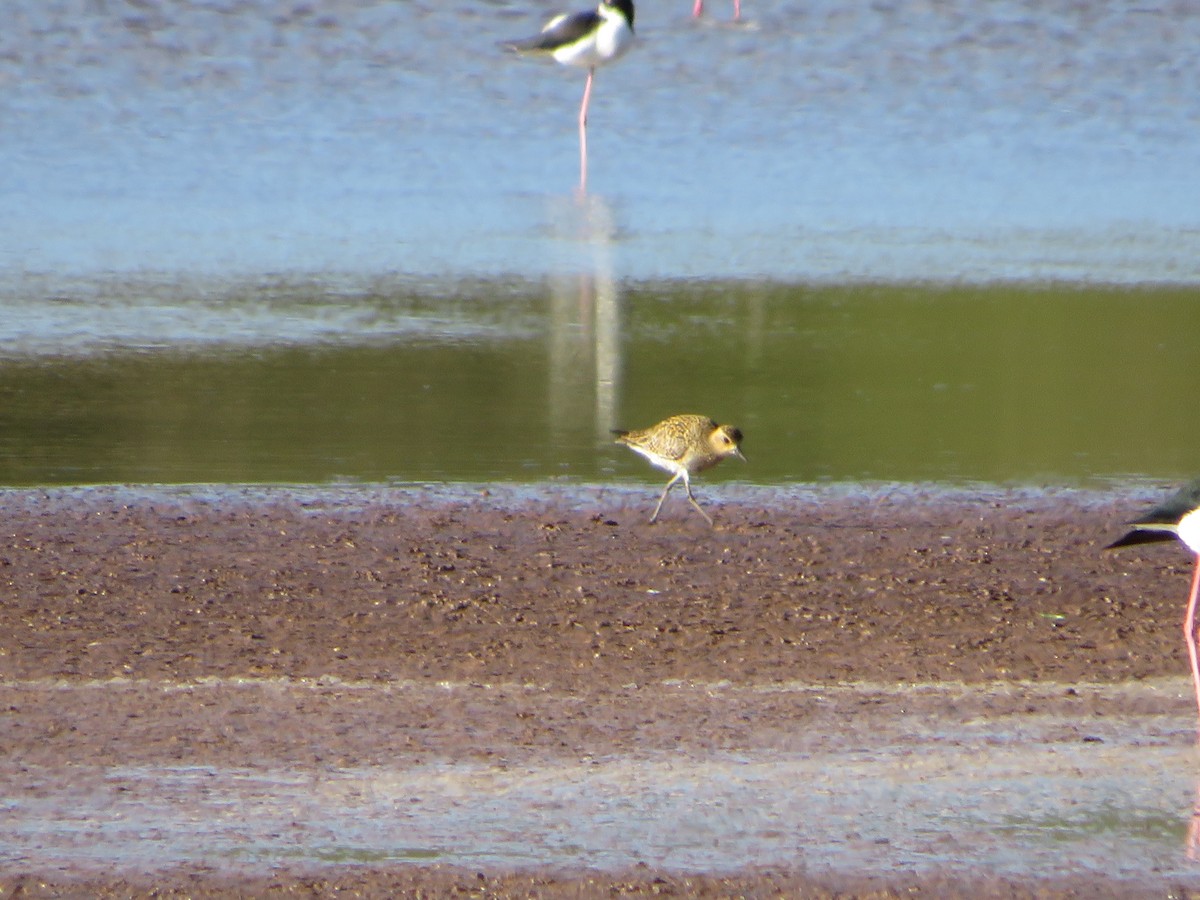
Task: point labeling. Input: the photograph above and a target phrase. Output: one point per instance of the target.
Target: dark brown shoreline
(868, 588)
(571, 596)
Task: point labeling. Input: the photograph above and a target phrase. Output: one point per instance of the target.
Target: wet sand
(171, 652)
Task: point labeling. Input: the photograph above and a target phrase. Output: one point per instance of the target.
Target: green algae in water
(521, 382)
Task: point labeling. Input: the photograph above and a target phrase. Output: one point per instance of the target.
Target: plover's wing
(669, 443)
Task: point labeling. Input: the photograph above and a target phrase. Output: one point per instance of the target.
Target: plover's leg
(687, 483)
(666, 490)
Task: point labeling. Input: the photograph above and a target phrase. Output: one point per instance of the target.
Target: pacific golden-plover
(684, 445)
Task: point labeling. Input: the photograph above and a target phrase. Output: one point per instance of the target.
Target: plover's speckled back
(684, 445)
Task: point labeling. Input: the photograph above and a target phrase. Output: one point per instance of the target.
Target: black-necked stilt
(683, 445)
(1176, 517)
(588, 40)
(698, 9)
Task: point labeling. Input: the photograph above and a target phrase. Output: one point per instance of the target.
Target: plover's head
(727, 441)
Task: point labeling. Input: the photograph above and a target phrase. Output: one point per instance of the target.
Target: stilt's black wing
(559, 32)
(1140, 536)
(1158, 524)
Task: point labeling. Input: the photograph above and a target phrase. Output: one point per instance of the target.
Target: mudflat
(161, 646)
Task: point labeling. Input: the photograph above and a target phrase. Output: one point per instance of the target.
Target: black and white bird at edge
(587, 40)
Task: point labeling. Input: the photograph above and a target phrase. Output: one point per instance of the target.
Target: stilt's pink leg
(698, 9)
(1189, 632)
(583, 108)
(737, 9)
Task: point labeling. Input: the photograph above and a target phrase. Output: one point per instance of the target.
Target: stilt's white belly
(1189, 530)
(610, 42)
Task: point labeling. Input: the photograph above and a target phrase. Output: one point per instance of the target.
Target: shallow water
(1027, 796)
(895, 140)
(522, 382)
(264, 242)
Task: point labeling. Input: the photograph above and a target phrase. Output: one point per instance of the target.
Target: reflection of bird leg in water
(1192, 847)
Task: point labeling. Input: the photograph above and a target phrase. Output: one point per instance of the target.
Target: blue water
(194, 194)
(818, 141)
